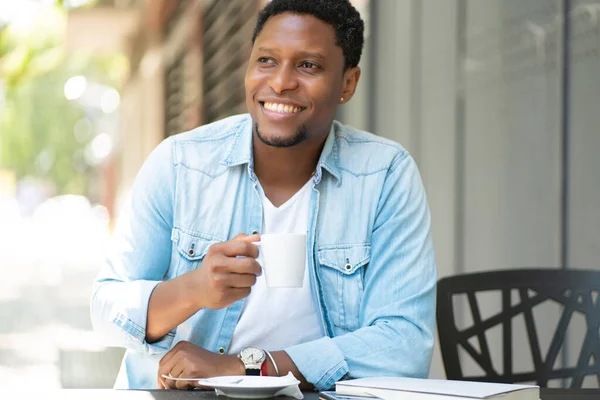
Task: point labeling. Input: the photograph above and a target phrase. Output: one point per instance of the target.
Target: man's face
(294, 80)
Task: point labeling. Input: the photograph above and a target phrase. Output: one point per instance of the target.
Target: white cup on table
(283, 259)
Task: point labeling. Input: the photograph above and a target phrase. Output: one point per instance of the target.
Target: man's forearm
(171, 304)
(284, 365)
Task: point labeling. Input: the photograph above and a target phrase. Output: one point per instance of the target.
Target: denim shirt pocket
(189, 249)
(342, 274)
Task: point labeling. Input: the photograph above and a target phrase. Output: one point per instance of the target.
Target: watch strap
(263, 369)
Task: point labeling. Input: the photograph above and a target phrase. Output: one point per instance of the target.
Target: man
(182, 289)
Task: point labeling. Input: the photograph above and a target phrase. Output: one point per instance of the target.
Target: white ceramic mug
(283, 259)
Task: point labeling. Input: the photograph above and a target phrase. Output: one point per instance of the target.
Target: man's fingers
(161, 383)
(165, 364)
(247, 238)
(236, 248)
(239, 280)
(240, 245)
(174, 371)
(247, 265)
(165, 383)
(183, 385)
(178, 371)
(222, 266)
(170, 384)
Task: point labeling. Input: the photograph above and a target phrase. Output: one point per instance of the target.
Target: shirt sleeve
(138, 259)
(397, 312)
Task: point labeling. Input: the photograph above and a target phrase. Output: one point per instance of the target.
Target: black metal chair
(520, 291)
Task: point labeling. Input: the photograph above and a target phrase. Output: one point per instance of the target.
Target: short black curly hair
(345, 19)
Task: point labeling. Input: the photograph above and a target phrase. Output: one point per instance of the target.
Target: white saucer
(248, 387)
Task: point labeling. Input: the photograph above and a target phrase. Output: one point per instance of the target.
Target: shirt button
(221, 350)
(348, 267)
(255, 232)
(191, 252)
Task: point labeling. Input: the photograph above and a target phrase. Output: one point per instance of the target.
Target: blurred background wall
(497, 100)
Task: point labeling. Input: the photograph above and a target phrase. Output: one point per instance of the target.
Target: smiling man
(182, 289)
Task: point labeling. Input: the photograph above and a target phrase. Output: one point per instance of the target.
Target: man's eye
(308, 65)
(265, 60)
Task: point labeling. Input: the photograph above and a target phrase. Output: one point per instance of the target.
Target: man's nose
(283, 78)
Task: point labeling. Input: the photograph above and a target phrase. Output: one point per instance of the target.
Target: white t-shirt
(274, 319)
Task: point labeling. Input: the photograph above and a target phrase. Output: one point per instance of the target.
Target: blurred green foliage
(37, 121)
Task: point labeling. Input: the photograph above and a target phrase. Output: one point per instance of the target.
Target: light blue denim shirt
(370, 255)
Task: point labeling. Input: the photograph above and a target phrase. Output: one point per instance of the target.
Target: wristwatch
(253, 358)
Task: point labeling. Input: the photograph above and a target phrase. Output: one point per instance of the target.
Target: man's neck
(283, 171)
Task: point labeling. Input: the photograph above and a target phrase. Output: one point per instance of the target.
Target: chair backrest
(520, 291)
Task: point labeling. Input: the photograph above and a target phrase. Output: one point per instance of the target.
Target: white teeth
(281, 108)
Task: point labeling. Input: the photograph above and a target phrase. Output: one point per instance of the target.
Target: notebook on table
(395, 388)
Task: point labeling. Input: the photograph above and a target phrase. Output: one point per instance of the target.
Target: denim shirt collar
(240, 151)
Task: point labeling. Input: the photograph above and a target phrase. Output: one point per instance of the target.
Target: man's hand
(188, 361)
(228, 271)
(226, 275)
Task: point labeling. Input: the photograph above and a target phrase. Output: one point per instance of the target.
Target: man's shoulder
(218, 131)
(208, 145)
(361, 149)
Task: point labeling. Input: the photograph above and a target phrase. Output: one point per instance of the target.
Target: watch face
(252, 355)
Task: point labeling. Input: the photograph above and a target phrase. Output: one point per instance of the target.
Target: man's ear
(351, 77)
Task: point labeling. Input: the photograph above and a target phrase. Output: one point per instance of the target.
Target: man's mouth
(281, 108)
